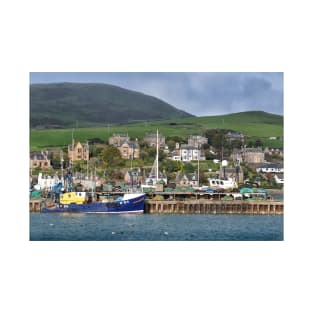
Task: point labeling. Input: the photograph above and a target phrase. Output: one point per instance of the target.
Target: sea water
(139, 227)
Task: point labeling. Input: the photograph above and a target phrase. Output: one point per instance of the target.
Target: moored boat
(77, 202)
(224, 184)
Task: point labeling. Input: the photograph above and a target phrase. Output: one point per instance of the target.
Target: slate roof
(270, 165)
(190, 177)
(38, 156)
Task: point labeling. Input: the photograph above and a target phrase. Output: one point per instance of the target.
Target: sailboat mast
(62, 160)
(198, 166)
(157, 158)
(72, 149)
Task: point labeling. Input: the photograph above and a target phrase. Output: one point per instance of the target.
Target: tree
(111, 156)
(171, 144)
(203, 179)
(95, 150)
(189, 168)
(179, 139)
(258, 143)
(55, 161)
(79, 165)
(170, 166)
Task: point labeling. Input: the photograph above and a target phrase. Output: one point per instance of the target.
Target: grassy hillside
(65, 105)
(254, 124)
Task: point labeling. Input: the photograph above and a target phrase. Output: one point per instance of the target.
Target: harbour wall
(201, 206)
(266, 207)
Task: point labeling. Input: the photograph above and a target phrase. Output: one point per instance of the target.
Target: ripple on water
(155, 227)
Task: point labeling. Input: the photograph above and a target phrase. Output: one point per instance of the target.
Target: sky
(201, 93)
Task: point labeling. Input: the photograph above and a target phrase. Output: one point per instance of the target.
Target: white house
(46, 181)
(270, 168)
(190, 153)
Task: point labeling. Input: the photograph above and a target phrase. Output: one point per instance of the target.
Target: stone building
(78, 152)
(151, 139)
(230, 136)
(129, 149)
(39, 160)
(133, 177)
(235, 173)
(187, 179)
(196, 141)
(248, 155)
(274, 151)
(253, 155)
(118, 139)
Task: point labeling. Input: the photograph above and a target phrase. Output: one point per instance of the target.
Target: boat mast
(62, 160)
(198, 166)
(157, 158)
(87, 160)
(72, 149)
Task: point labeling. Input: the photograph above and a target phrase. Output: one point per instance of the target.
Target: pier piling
(256, 207)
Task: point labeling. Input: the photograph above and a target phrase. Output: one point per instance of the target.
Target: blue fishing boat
(77, 202)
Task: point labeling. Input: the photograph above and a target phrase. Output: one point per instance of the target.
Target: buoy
(165, 233)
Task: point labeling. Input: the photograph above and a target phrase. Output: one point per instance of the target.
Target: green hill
(254, 124)
(63, 105)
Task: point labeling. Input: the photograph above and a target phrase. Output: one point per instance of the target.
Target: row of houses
(192, 151)
(186, 152)
(128, 150)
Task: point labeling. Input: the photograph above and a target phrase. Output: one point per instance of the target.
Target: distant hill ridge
(62, 105)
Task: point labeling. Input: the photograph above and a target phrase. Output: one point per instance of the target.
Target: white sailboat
(155, 177)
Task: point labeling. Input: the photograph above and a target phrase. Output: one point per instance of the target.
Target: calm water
(155, 227)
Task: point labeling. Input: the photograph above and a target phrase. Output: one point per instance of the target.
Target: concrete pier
(35, 205)
(267, 207)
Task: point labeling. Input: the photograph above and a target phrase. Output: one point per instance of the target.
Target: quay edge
(267, 207)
